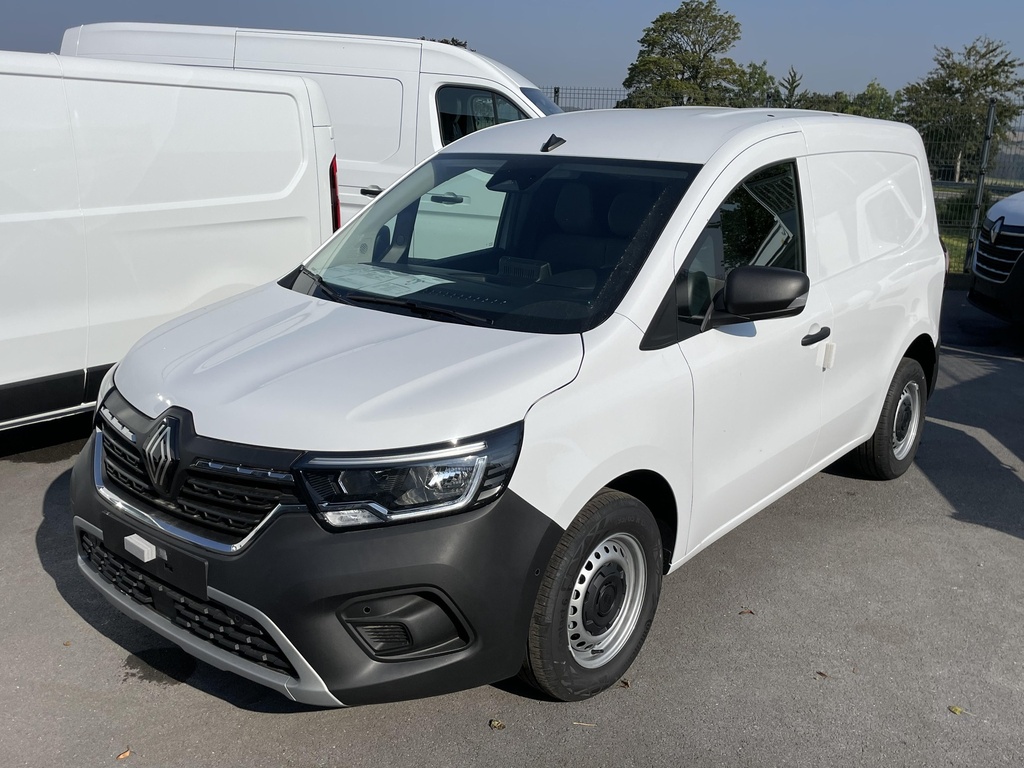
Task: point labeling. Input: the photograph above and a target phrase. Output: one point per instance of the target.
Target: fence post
(557, 94)
(979, 191)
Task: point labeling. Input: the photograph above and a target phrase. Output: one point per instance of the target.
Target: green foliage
(450, 41)
(949, 105)
(790, 87)
(682, 57)
(875, 101)
(752, 86)
(957, 211)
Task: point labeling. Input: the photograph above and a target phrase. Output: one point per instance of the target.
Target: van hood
(277, 368)
(1010, 208)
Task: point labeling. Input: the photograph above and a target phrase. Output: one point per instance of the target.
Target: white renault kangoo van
(422, 463)
(393, 101)
(130, 193)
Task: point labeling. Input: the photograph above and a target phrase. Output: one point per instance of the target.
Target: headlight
(106, 384)
(359, 489)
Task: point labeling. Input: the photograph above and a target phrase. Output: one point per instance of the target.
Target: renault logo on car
(993, 233)
(160, 454)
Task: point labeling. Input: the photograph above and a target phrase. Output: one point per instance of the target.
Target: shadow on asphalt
(47, 442)
(149, 657)
(973, 445)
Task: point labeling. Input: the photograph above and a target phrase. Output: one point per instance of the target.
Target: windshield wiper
(324, 286)
(419, 309)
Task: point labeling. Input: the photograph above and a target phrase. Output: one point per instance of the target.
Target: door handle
(814, 338)
(372, 191)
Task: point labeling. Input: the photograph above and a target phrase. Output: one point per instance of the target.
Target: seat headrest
(626, 213)
(574, 209)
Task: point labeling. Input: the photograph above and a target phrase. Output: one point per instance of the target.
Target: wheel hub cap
(606, 600)
(603, 599)
(905, 422)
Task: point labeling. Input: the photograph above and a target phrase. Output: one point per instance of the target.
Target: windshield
(539, 244)
(540, 101)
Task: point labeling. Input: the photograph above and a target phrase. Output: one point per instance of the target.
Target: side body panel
(877, 245)
(42, 250)
(371, 88)
(191, 192)
(133, 193)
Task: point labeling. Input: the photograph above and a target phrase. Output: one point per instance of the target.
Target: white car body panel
(137, 192)
(354, 378)
(381, 90)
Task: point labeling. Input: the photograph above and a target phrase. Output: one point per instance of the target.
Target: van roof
(303, 89)
(689, 134)
(210, 45)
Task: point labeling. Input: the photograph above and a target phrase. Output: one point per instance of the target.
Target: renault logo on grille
(993, 233)
(160, 454)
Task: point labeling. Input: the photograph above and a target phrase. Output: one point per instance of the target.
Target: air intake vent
(385, 638)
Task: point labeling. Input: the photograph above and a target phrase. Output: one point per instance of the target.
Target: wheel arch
(656, 494)
(924, 351)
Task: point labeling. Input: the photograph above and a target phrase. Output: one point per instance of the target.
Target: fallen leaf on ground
(747, 612)
(587, 725)
(821, 674)
(125, 755)
(496, 725)
(67, 643)
(624, 684)
(957, 710)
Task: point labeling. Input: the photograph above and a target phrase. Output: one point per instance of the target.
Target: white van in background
(393, 101)
(131, 193)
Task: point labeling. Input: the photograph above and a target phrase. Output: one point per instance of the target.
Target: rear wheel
(891, 449)
(597, 600)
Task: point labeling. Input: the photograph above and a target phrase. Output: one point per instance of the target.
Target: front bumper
(1003, 300)
(326, 606)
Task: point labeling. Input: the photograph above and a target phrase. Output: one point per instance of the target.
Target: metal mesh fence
(954, 149)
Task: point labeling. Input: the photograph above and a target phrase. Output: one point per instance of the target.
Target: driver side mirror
(757, 293)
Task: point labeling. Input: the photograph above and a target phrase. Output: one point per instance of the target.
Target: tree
(824, 102)
(875, 101)
(789, 86)
(450, 41)
(682, 57)
(949, 105)
(752, 86)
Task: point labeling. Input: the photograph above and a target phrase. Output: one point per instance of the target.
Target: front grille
(215, 623)
(227, 498)
(995, 261)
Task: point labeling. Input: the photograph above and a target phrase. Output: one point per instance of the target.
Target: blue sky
(835, 45)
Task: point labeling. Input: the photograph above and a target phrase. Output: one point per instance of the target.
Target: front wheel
(891, 449)
(597, 600)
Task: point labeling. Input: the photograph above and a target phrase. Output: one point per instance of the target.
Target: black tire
(583, 640)
(891, 449)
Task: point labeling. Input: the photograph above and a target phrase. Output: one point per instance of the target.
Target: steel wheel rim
(906, 421)
(596, 628)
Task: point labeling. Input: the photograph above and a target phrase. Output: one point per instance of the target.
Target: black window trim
(666, 327)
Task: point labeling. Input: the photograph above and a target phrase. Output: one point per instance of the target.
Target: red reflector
(335, 200)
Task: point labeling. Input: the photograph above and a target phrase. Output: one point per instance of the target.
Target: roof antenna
(553, 142)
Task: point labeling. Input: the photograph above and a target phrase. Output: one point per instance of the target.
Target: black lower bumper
(1003, 300)
(358, 616)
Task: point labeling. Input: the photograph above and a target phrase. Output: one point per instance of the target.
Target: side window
(462, 111)
(758, 224)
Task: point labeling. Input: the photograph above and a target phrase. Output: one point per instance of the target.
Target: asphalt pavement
(850, 623)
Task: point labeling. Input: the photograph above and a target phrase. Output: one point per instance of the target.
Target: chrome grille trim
(166, 526)
(995, 261)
